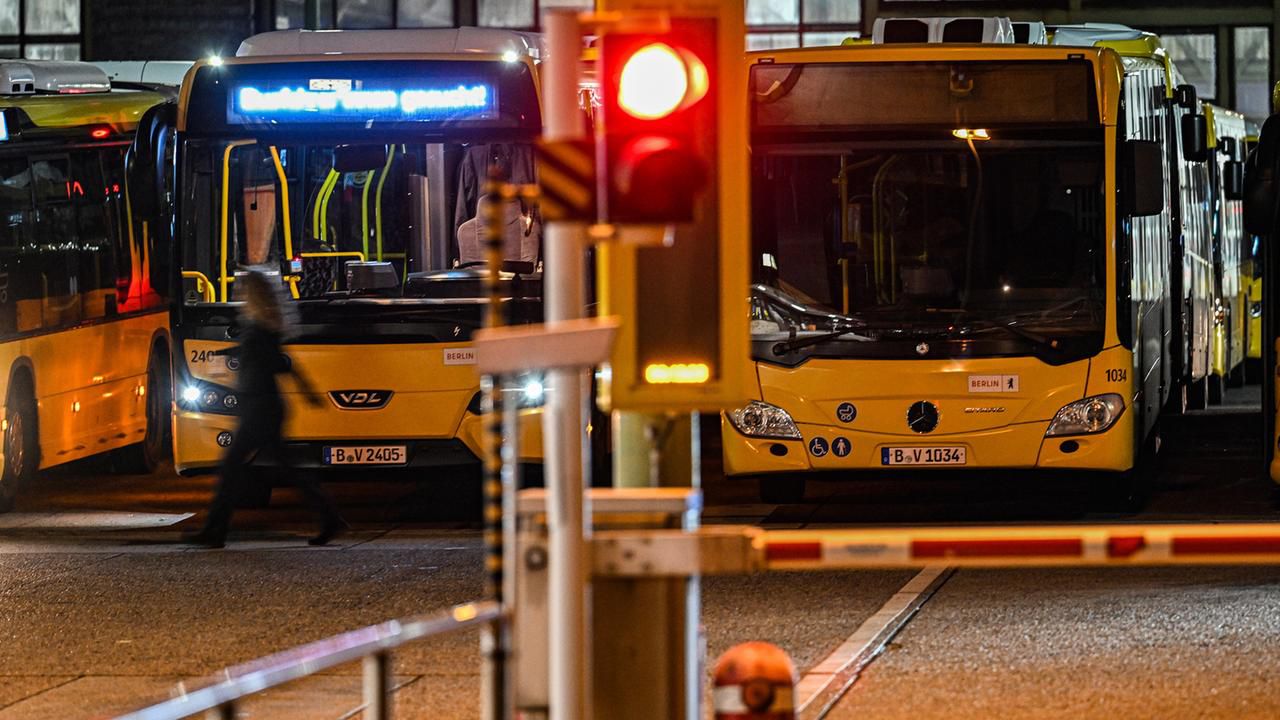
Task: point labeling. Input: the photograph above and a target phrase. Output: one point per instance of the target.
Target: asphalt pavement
(104, 610)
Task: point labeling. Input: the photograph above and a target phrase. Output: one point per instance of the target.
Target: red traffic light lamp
(658, 79)
(655, 138)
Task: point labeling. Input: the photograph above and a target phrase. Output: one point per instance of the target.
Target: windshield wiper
(787, 346)
(1013, 329)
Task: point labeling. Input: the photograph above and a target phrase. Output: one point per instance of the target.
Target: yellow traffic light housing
(672, 151)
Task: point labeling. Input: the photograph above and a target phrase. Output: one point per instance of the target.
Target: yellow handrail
(320, 227)
(377, 212)
(203, 285)
(339, 253)
(364, 211)
(288, 230)
(226, 189)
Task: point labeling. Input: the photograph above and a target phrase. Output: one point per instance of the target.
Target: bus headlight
(760, 419)
(1088, 416)
(205, 397)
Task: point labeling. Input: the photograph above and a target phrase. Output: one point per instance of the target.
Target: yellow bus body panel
(998, 429)
(428, 402)
(1254, 286)
(90, 384)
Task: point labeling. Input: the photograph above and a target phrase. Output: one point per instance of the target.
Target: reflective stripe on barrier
(987, 546)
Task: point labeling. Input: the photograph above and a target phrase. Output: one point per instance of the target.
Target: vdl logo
(360, 399)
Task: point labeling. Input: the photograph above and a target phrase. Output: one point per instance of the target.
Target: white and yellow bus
(83, 301)
(349, 164)
(964, 258)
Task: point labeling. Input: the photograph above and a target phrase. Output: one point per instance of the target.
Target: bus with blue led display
(348, 165)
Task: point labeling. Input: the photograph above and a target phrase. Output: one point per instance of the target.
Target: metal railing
(372, 644)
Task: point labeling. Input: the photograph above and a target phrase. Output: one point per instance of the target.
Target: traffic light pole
(564, 425)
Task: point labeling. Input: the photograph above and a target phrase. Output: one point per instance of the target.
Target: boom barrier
(1040, 546)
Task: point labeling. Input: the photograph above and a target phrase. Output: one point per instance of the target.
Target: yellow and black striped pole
(491, 212)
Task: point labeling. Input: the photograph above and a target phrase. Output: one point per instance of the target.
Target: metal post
(495, 695)
(564, 426)
(377, 686)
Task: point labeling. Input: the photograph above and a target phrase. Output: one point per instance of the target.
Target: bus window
(15, 214)
(56, 250)
(97, 272)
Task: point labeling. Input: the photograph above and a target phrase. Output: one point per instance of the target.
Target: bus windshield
(305, 210)
(934, 233)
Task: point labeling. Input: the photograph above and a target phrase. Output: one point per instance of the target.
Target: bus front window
(926, 233)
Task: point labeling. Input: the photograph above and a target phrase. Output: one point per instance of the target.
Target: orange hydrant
(754, 681)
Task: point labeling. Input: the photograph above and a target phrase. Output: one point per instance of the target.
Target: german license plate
(923, 456)
(365, 455)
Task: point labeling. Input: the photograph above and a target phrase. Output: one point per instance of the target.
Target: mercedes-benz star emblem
(922, 417)
(922, 348)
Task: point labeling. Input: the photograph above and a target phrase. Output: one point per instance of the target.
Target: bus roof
(119, 108)
(1107, 62)
(468, 40)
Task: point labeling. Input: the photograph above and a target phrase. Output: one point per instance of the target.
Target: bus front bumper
(197, 447)
(1016, 446)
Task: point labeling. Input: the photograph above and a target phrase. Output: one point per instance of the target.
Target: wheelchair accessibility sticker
(818, 447)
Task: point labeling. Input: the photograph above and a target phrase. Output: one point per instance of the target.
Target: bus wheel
(21, 450)
(142, 458)
(1127, 492)
(1198, 393)
(1235, 378)
(781, 489)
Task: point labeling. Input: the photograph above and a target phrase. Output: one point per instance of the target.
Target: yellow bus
(83, 321)
(1226, 133)
(1251, 283)
(968, 266)
(349, 165)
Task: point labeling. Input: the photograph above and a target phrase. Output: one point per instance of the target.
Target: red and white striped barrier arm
(1238, 543)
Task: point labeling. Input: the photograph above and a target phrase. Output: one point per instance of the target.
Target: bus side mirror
(1195, 138)
(1259, 192)
(1184, 96)
(1233, 180)
(1143, 181)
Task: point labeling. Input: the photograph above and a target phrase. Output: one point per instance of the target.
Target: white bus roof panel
(444, 40)
(158, 72)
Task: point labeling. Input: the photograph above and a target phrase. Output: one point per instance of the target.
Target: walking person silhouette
(262, 414)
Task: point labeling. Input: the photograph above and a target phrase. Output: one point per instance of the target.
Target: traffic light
(656, 121)
(671, 144)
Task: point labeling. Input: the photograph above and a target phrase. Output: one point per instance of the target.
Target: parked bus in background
(1251, 280)
(348, 165)
(1227, 132)
(83, 298)
(1261, 212)
(1192, 278)
(971, 266)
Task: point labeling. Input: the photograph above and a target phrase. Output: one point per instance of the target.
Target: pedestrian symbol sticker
(846, 412)
(841, 446)
(818, 447)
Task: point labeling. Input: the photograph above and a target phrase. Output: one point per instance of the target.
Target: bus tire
(1216, 388)
(21, 441)
(781, 489)
(1198, 393)
(1128, 492)
(1235, 378)
(143, 458)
